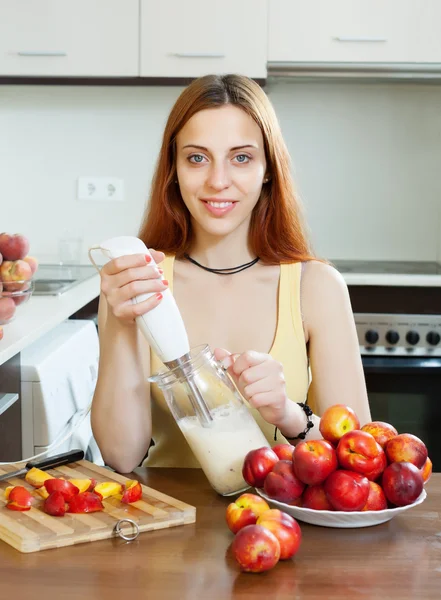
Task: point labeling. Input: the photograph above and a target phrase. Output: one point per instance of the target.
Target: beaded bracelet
(309, 424)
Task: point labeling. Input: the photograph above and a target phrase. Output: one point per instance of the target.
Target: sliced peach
(37, 477)
(19, 498)
(108, 488)
(8, 491)
(84, 485)
(132, 493)
(86, 502)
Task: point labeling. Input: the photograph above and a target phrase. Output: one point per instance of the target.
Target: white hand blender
(162, 326)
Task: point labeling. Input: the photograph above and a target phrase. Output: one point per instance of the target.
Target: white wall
(366, 158)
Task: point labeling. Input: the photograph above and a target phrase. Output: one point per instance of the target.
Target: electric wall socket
(100, 188)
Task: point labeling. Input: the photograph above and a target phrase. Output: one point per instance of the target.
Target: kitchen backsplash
(366, 158)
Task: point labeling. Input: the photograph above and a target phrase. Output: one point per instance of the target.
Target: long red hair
(277, 233)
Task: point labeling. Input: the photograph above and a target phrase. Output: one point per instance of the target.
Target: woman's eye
(196, 158)
(242, 158)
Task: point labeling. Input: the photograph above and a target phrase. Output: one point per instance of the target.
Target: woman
(222, 197)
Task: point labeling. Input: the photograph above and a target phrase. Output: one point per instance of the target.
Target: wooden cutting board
(34, 530)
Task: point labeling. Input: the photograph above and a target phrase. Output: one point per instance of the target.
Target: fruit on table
(284, 451)
(376, 499)
(406, 447)
(347, 490)
(84, 485)
(109, 488)
(402, 483)
(256, 549)
(86, 502)
(245, 511)
(358, 451)
(257, 464)
(336, 421)
(314, 497)
(19, 499)
(285, 528)
(68, 489)
(55, 504)
(37, 477)
(426, 470)
(282, 484)
(132, 492)
(13, 247)
(313, 461)
(381, 431)
(7, 309)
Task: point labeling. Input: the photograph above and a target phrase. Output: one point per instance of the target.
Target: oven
(399, 332)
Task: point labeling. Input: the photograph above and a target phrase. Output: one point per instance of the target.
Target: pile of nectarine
(349, 469)
(16, 271)
(263, 536)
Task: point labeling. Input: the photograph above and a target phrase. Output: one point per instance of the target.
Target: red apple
(376, 499)
(281, 483)
(402, 483)
(314, 497)
(358, 451)
(13, 247)
(347, 490)
(245, 511)
(284, 451)
(426, 470)
(257, 464)
(406, 447)
(336, 421)
(256, 549)
(313, 461)
(382, 432)
(285, 528)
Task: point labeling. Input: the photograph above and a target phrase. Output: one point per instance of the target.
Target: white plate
(330, 518)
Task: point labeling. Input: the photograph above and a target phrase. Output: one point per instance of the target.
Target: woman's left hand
(260, 380)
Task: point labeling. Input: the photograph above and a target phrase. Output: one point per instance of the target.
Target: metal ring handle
(119, 531)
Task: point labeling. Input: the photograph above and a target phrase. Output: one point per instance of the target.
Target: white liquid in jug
(222, 447)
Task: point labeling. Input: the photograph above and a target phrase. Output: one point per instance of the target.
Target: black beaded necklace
(228, 271)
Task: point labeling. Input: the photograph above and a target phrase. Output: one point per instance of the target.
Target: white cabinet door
(69, 37)
(190, 39)
(355, 31)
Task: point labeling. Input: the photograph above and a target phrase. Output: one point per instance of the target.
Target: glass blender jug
(200, 395)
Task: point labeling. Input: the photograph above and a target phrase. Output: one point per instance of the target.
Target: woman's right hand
(126, 277)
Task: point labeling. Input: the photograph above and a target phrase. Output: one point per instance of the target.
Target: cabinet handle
(36, 53)
(198, 55)
(348, 38)
(6, 401)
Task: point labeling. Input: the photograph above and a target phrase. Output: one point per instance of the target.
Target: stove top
(388, 267)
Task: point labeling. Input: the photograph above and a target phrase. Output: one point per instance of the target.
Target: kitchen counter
(399, 559)
(42, 313)
(392, 280)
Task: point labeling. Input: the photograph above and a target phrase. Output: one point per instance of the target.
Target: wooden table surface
(399, 559)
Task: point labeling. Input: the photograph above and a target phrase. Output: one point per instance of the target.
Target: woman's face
(221, 166)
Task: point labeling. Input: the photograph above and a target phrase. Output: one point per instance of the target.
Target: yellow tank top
(170, 447)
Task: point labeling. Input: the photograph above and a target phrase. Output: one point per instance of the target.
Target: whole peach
(284, 451)
(257, 464)
(426, 470)
(1, 333)
(285, 528)
(381, 431)
(402, 483)
(1, 258)
(347, 490)
(376, 499)
(245, 511)
(15, 274)
(314, 497)
(406, 447)
(13, 247)
(313, 461)
(281, 483)
(336, 421)
(358, 451)
(256, 549)
(7, 309)
(32, 262)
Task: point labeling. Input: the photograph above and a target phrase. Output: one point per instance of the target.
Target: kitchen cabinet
(10, 411)
(189, 39)
(360, 31)
(71, 38)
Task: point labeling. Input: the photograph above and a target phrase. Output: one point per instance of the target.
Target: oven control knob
(433, 338)
(371, 336)
(412, 338)
(392, 337)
